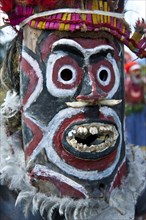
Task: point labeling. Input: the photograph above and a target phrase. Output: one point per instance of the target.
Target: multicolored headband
(77, 15)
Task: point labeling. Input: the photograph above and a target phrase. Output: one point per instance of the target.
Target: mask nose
(90, 91)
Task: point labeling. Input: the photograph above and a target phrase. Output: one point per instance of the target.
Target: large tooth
(84, 146)
(82, 130)
(80, 147)
(108, 128)
(92, 148)
(101, 146)
(73, 142)
(102, 128)
(93, 130)
(85, 130)
(71, 133)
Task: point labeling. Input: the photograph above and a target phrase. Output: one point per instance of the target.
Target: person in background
(135, 104)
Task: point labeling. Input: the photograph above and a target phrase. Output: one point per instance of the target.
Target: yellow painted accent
(115, 22)
(108, 19)
(122, 38)
(83, 17)
(33, 23)
(66, 26)
(105, 9)
(108, 7)
(136, 37)
(123, 29)
(95, 5)
(102, 18)
(64, 17)
(131, 46)
(43, 25)
(100, 5)
(94, 18)
(62, 25)
(98, 18)
(40, 25)
(105, 6)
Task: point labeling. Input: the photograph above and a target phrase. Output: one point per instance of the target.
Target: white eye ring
(73, 71)
(52, 88)
(108, 79)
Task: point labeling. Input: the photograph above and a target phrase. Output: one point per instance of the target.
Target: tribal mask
(73, 110)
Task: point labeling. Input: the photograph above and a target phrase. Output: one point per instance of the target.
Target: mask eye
(63, 75)
(104, 76)
(107, 76)
(67, 74)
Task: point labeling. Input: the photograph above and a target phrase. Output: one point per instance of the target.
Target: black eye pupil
(66, 74)
(103, 75)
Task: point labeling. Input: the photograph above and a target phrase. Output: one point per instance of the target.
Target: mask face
(72, 125)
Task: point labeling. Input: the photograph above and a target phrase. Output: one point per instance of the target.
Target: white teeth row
(93, 148)
(83, 131)
(91, 129)
(94, 128)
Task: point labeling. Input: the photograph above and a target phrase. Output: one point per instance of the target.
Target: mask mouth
(92, 137)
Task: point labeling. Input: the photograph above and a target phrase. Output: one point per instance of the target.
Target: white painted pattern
(39, 87)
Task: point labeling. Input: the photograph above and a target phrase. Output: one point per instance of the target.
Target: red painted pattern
(46, 45)
(37, 136)
(64, 189)
(121, 173)
(33, 79)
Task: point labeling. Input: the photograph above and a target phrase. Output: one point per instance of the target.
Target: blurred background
(135, 82)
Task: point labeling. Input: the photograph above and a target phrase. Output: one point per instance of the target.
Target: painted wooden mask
(73, 112)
